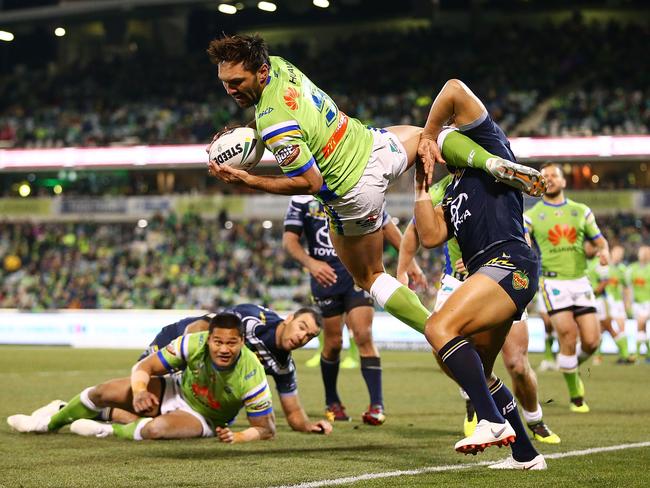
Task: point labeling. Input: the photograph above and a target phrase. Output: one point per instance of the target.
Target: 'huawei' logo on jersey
(291, 98)
(562, 231)
(638, 281)
(204, 391)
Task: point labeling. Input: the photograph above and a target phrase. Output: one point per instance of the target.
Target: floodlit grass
(424, 413)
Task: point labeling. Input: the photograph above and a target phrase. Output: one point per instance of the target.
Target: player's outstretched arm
(200, 325)
(261, 428)
(298, 419)
(307, 183)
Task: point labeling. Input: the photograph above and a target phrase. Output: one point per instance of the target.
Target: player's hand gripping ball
(239, 148)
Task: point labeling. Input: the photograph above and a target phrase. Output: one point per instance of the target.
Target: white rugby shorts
(567, 294)
(360, 211)
(173, 400)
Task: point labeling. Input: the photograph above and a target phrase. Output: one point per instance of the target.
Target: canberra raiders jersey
(306, 215)
(303, 127)
(261, 326)
(597, 275)
(559, 231)
(217, 394)
(616, 281)
(481, 212)
(638, 277)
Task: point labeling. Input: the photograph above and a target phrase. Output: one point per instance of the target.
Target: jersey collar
(555, 204)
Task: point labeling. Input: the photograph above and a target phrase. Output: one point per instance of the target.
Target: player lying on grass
(347, 166)
(486, 218)
(515, 348)
(212, 377)
(270, 337)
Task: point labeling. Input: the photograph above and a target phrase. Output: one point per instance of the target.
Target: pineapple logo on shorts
(562, 231)
(291, 98)
(520, 280)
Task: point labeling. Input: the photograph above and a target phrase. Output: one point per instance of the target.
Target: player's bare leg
(524, 381)
(359, 319)
(362, 256)
(332, 337)
(476, 307)
(642, 337)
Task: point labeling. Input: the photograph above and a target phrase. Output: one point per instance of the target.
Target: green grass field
(424, 412)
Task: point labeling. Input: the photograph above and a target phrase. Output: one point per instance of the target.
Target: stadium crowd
(182, 262)
(591, 75)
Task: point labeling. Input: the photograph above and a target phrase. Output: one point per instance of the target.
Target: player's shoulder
(535, 208)
(581, 208)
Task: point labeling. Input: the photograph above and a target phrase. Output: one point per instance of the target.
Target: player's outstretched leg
(460, 151)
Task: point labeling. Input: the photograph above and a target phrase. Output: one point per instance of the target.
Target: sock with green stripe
(80, 407)
(399, 301)
(131, 431)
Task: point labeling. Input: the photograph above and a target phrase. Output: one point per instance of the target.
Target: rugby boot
(91, 428)
(523, 178)
(542, 433)
(535, 464)
(336, 412)
(485, 435)
(374, 415)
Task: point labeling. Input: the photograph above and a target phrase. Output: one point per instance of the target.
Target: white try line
(453, 467)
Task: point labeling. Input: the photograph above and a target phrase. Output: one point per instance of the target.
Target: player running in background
(345, 165)
(638, 281)
(559, 226)
(515, 347)
(339, 300)
(485, 217)
(608, 283)
(192, 388)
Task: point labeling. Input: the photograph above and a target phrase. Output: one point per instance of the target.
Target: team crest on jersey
(291, 98)
(520, 280)
(562, 231)
(542, 216)
(287, 155)
(574, 213)
(458, 215)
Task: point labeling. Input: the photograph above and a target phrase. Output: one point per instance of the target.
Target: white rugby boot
(28, 423)
(485, 435)
(538, 463)
(91, 428)
(50, 409)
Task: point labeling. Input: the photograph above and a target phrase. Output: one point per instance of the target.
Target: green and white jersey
(217, 394)
(560, 231)
(638, 278)
(616, 279)
(302, 126)
(451, 248)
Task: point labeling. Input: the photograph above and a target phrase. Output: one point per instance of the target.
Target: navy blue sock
(460, 356)
(522, 448)
(330, 372)
(371, 371)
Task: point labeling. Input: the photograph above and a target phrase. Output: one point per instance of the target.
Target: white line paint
(452, 467)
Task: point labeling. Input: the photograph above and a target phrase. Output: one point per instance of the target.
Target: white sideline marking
(452, 467)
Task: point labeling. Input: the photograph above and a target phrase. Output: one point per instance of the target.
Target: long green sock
(405, 305)
(548, 347)
(72, 411)
(621, 343)
(462, 152)
(573, 382)
(127, 431)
